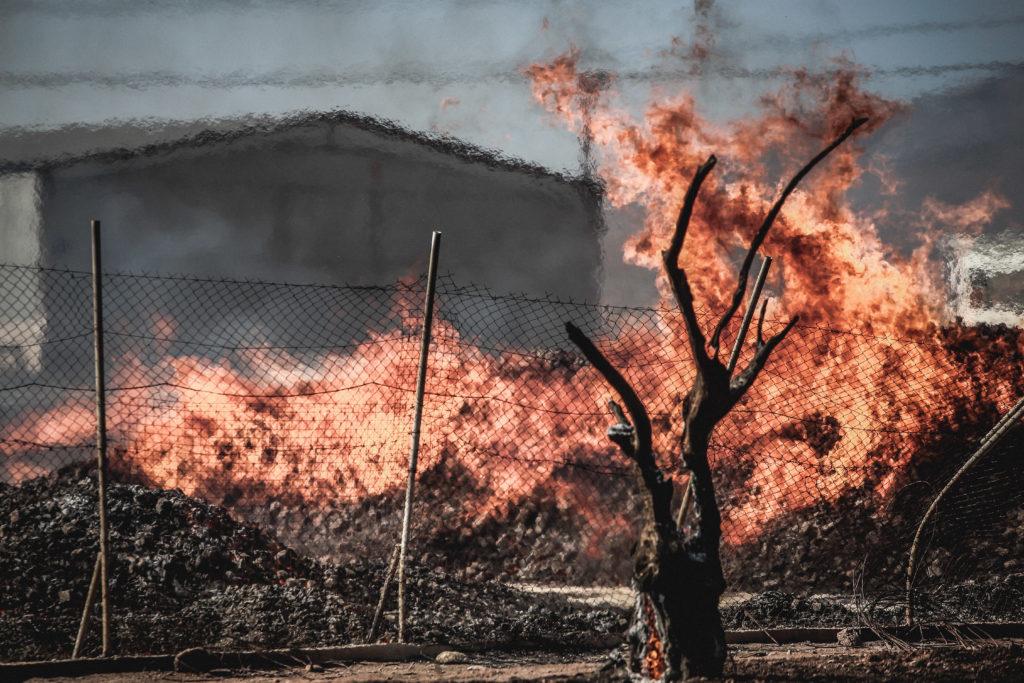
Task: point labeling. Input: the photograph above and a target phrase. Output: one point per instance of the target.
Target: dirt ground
(994, 660)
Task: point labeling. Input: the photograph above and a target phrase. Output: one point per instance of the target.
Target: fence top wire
(449, 286)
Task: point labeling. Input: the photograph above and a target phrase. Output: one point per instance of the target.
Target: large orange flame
(831, 268)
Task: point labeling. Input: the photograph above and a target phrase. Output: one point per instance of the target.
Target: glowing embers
(654, 658)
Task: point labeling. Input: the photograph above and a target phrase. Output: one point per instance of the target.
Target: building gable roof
(26, 151)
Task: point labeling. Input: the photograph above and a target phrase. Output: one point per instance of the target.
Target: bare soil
(994, 660)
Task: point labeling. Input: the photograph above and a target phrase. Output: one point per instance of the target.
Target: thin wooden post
(421, 380)
(687, 502)
(101, 431)
(751, 305)
(994, 436)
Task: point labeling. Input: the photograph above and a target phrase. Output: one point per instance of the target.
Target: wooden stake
(421, 380)
(374, 627)
(90, 600)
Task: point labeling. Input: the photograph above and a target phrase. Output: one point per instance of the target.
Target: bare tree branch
(760, 321)
(619, 415)
(657, 491)
(741, 285)
(634, 406)
(622, 434)
(676, 275)
(739, 384)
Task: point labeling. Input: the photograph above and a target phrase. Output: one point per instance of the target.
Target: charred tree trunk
(676, 630)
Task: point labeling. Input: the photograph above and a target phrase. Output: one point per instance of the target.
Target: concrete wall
(22, 315)
(986, 279)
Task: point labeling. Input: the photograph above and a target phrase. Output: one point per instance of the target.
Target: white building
(326, 197)
(986, 278)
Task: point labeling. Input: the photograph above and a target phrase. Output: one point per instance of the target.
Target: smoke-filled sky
(455, 65)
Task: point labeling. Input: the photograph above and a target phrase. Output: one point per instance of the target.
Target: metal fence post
(741, 335)
(101, 432)
(421, 379)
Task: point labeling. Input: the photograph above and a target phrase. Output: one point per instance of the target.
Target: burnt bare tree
(676, 629)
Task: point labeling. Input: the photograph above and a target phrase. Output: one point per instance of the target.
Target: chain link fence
(289, 407)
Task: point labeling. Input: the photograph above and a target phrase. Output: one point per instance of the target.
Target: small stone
(451, 657)
(64, 596)
(194, 660)
(850, 637)
(180, 590)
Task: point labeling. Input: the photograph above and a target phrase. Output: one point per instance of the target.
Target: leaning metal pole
(421, 381)
(101, 432)
(993, 437)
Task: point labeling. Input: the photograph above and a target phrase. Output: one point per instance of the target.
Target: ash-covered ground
(186, 574)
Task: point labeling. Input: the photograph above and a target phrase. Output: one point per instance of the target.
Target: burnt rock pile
(185, 574)
(548, 536)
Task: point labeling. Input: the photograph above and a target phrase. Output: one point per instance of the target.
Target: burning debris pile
(186, 574)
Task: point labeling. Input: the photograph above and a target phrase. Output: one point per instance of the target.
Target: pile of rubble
(773, 609)
(184, 574)
(549, 536)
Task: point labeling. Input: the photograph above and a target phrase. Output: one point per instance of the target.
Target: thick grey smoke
(65, 62)
(77, 75)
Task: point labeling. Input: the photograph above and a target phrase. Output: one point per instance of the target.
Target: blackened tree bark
(676, 629)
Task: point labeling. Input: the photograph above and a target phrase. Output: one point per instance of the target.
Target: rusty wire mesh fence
(289, 407)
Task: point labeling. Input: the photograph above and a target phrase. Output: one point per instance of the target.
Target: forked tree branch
(676, 275)
(743, 381)
(639, 449)
(634, 406)
(762, 232)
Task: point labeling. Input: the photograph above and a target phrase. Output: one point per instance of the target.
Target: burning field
(293, 413)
